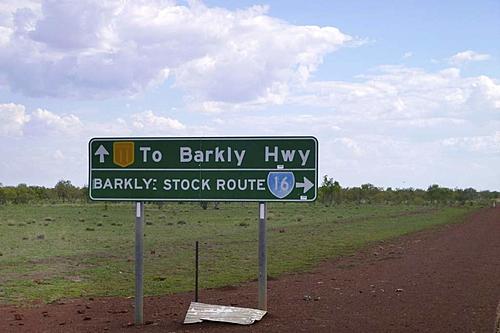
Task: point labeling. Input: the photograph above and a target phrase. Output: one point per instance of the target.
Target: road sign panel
(197, 169)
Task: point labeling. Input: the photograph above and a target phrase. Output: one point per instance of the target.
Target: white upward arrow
(101, 151)
(307, 185)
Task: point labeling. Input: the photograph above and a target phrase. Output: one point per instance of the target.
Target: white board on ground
(199, 312)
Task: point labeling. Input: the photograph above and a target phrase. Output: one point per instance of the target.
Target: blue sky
(399, 93)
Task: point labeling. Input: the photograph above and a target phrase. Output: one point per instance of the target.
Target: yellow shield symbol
(123, 153)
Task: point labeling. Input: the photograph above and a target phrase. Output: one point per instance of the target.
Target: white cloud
(468, 56)
(427, 122)
(406, 94)
(12, 119)
(9, 7)
(351, 145)
(489, 91)
(150, 122)
(41, 123)
(44, 121)
(489, 144)
(58, 155)
(121, 48)
(407, 55)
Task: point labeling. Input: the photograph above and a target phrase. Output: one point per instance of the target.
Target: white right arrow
(307, 185)
(101, 151)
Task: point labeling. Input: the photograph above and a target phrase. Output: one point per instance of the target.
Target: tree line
(329, 193)
(63, 192)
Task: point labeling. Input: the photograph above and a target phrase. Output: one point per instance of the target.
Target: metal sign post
(262, 257)
(251, 169)
(196, 270)
(139, 263)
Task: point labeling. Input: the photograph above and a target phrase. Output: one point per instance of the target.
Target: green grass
(48, 252)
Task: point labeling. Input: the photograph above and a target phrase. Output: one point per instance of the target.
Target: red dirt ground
(441, 280)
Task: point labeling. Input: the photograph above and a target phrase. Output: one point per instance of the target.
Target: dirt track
(445, 280)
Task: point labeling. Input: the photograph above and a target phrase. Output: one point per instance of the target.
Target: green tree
(368, 192)
(23, 194)
(337, 193)
(65, 190)
(326, 191)
(10, 194)
(3, 196)
(437, 194)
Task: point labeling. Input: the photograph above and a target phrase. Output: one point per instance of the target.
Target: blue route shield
(280, 184)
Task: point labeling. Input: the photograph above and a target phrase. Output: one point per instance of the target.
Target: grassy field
(49, 252)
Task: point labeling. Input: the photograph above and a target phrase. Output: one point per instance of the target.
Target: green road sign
(204, 169)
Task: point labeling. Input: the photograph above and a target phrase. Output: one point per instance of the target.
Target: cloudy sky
(398, 93)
